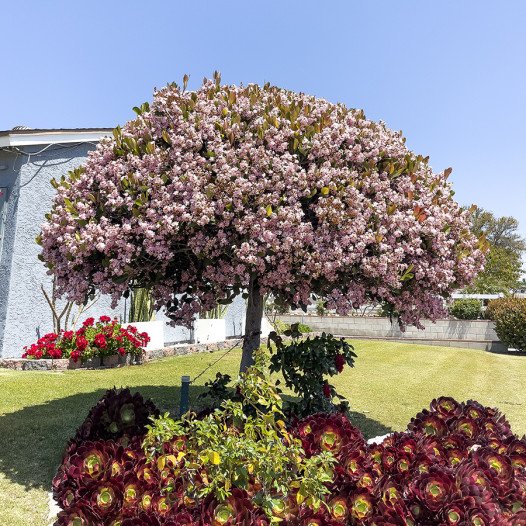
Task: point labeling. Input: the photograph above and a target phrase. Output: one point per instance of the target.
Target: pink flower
(245, 180)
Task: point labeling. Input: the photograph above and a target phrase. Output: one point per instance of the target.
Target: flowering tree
(246, 189)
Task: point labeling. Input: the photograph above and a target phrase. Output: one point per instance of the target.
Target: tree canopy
(213, 192)
(503, 269)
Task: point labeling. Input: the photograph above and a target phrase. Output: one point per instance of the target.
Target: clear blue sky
(451, 73)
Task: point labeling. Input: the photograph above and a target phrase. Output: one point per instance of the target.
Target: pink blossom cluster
(208, 189)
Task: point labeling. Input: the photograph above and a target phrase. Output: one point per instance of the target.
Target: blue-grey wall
(24, 313)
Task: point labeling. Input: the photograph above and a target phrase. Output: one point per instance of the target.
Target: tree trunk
(254, 315)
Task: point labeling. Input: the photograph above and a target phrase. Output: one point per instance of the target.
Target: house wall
(24, 313)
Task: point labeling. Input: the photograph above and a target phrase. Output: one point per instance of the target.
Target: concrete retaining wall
(474, 334)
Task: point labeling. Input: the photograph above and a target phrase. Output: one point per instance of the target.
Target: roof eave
(37, 137)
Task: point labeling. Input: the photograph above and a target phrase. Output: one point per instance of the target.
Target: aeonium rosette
(102, 338)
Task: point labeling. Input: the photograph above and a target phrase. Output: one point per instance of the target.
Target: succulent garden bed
(248, 461)
(456, 464)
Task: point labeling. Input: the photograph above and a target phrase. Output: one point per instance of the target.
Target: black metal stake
(185, 395)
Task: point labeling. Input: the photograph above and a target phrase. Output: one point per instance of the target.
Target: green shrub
(305, 365)
(281, 327)
(304, 328)
(466, 309)
(509, 315)
(321, 309)
(251, 452)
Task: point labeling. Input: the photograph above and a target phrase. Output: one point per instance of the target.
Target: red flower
(104, 319)
(81, 343)
(55, 352)
(100, 341)
(121, 351)
(326, 390)
(75, 355)
(339, 362)
(67, 335)
(88, 322)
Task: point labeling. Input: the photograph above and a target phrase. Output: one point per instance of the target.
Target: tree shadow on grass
(33, 439)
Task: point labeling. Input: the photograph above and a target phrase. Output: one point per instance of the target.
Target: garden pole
(185, 395)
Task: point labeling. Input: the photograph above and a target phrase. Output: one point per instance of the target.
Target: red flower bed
(457, 464)
(106, 337)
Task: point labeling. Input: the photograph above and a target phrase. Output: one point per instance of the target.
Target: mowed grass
(390, 383)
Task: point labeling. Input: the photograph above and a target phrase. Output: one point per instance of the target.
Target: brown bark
(254, 315)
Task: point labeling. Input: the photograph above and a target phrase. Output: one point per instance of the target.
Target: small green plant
(141, 306)
(321, 309)
(303, 328)
(466, 309)
(509, 315)
(255, 452)
(281, 327)
(305, 364)
(217, 313)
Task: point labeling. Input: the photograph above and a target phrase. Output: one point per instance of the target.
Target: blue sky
(450, 74)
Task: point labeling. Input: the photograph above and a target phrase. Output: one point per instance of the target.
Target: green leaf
(166, 137)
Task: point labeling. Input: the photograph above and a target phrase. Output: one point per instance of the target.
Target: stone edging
(181, 349)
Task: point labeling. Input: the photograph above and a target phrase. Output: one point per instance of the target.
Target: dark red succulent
(338, 508)
(143, 519)
(181, 518)
(361, 505)
(118, 413)
(327, 432)
(321, 517)
(236, 510)
(77, 516)
(106, 499)
(434, 488)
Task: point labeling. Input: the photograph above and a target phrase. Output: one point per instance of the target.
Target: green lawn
(39, 411)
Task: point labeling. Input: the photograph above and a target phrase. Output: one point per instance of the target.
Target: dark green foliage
(305, 365)
(466, 309)
(387, 311)
(217, 391)
(509, 315)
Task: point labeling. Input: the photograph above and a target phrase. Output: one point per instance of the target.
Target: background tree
(257, 190)
(503, 269)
